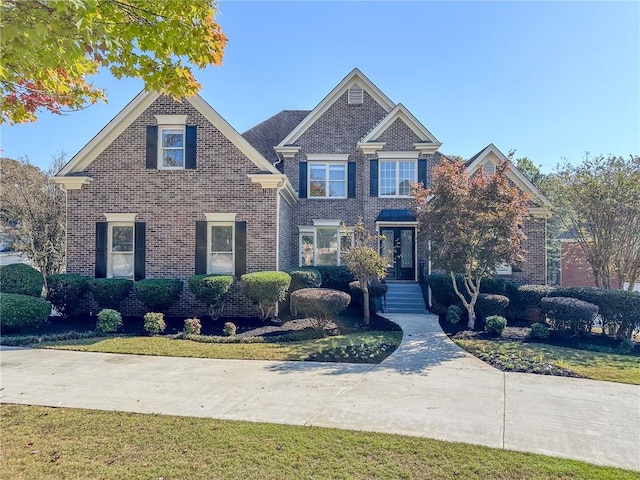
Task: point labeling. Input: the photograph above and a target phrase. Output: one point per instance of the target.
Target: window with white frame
(327, 180)
(171, 151)
(321, 245)
(220, 248)
(121, 254)
(396, 177)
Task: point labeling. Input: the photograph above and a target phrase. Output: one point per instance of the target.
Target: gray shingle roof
(266, 135)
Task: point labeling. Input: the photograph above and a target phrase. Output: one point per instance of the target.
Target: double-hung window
(327, 180)
(220, 251)
(121, 253)
(171, 151)
(396, 177)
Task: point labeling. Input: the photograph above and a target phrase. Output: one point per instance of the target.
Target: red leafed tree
(473, 223)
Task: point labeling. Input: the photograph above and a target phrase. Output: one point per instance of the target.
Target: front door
(398, 247)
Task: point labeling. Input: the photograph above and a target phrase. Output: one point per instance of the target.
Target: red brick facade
(574, 269)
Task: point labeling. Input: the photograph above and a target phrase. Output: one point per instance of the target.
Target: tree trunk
(365, 301)
(471, 324)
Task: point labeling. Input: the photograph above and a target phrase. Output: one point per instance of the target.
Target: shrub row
(21, 279)
(443, 295)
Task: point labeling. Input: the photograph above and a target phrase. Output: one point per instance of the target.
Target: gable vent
(356, 95)
(490, 168)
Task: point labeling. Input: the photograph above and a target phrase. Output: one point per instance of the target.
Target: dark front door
(398, 247)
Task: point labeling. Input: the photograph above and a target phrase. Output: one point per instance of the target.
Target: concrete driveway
(429, 387)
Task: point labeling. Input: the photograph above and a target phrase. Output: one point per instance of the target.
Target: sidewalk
(429, 387)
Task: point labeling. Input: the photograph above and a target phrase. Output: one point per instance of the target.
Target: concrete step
(404, 298)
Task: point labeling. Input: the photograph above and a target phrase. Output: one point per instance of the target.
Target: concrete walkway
(429, 387)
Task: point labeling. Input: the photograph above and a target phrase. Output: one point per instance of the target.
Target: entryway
(398, 247)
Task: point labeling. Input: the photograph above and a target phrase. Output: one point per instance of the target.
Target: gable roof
(133, 110)
(401, 112)
(354, 77)
(269, 133)
(513, 173)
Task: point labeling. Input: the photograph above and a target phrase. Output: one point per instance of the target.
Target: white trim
(540, 212)
(267, 180)
(410, 155)
(326, 222)
(401, 112)
(233, 246)
(355, 76)
(72, 183)
(121, 217)
(306, 228)
(161, 148)
(512, 172)
(287, 151)
(327, 167)
(368, 148)
(171, 119)
(355, 95)
(220, 217)
(426, 148)
(327, 157)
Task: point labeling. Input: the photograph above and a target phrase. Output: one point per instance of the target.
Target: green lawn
(241, 351)
(53, 443)
(596, 365)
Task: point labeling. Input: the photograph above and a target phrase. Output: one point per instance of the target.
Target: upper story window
(171, 151)
(327, 180)
(396, 177)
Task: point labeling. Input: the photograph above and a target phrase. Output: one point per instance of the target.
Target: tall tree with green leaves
(362, 258)
(50, 47)
(598, 202)
(474, 224)
(33, 212)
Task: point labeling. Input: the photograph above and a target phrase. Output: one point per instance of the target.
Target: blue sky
(551, 80)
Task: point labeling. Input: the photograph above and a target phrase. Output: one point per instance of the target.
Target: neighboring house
(169, 189)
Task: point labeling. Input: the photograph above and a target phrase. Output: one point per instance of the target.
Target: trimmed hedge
(304, 277)
(265, 290)
(336, 277)
(620, 309)
(491, 304)
(212, 291)
(321, 304)
(21, 279)
(109, 293)
(529, 296)
(158, 294)
(443, 295)
(20, 312)
(377, 289)
(569, 315)
(66, 291)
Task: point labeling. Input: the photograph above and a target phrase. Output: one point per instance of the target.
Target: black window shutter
(351, 180)
(201, 248)
(139, 261)
(241, 249)
(373, 183)
(302, 190)
(422, 172)
(101, 250)
(190, 147)
(152, 146)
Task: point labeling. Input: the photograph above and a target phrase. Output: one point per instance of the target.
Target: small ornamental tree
(364, 261)
(474, 224)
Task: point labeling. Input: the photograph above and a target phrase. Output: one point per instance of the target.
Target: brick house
(169, 189)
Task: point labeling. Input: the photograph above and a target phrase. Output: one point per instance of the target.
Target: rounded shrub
(21, 279)
(154, 323)
(569, 315)
(495, 324)
(158, 294)
(192, 326)
(22, 312)
(66, 291)
(539, 331)
(265, 290)
(454, 314)
(109, 293)
(109, 320)
(323, 305)
(377, 289)
(304, 277)
(229, 329)
(212, 291)
(530, 296)
(491, 304)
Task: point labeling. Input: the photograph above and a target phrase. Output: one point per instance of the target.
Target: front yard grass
(52, 443)
(167, 346)
(610, 367)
